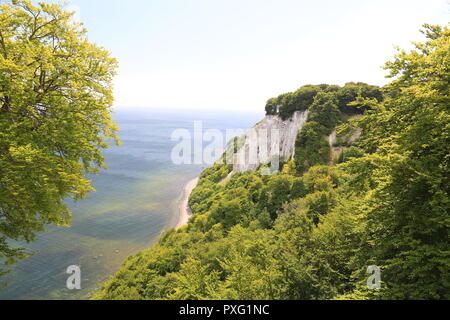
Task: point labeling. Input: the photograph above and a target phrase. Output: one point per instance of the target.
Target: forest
(379, 195)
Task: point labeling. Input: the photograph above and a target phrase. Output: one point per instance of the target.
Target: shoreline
(184, 212)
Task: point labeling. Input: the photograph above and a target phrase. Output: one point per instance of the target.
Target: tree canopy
(407, 178)
(286, 104)
(55, 117)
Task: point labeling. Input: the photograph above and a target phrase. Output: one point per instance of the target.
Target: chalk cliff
(270, 137)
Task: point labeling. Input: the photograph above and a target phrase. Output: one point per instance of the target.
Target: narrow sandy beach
(184, 210)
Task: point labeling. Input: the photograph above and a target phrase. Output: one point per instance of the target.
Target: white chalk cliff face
(272, 137)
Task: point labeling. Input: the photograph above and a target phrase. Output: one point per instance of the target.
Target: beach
(184, 210)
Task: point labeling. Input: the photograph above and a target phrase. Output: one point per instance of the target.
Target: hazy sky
(235, 54)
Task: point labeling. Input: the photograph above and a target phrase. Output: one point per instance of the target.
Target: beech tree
(55, 117)
(408, 175)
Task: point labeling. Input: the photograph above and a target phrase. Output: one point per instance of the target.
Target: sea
(135, 201)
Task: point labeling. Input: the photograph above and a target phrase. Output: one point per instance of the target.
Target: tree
(278, 191)
(249, 266)
(324, 110)
(295, 256)
(351, 92)
(311, 147)
(55, 117)
(407, 178)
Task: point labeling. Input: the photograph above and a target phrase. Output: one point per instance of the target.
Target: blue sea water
(136, 199)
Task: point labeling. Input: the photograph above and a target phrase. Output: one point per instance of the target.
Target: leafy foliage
(408, 204)
(286, 104)
(311, 147)
(55, 99)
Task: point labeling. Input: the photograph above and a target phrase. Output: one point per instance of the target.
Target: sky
(236, 54)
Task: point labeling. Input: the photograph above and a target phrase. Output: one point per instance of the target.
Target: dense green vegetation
(55, 100)
(311, 231)
(312, 147)
(286, 104)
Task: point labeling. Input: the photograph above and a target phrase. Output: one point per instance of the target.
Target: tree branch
(2, 42)
(39, 28)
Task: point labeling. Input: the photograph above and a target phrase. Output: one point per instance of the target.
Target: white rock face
(270, 138)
